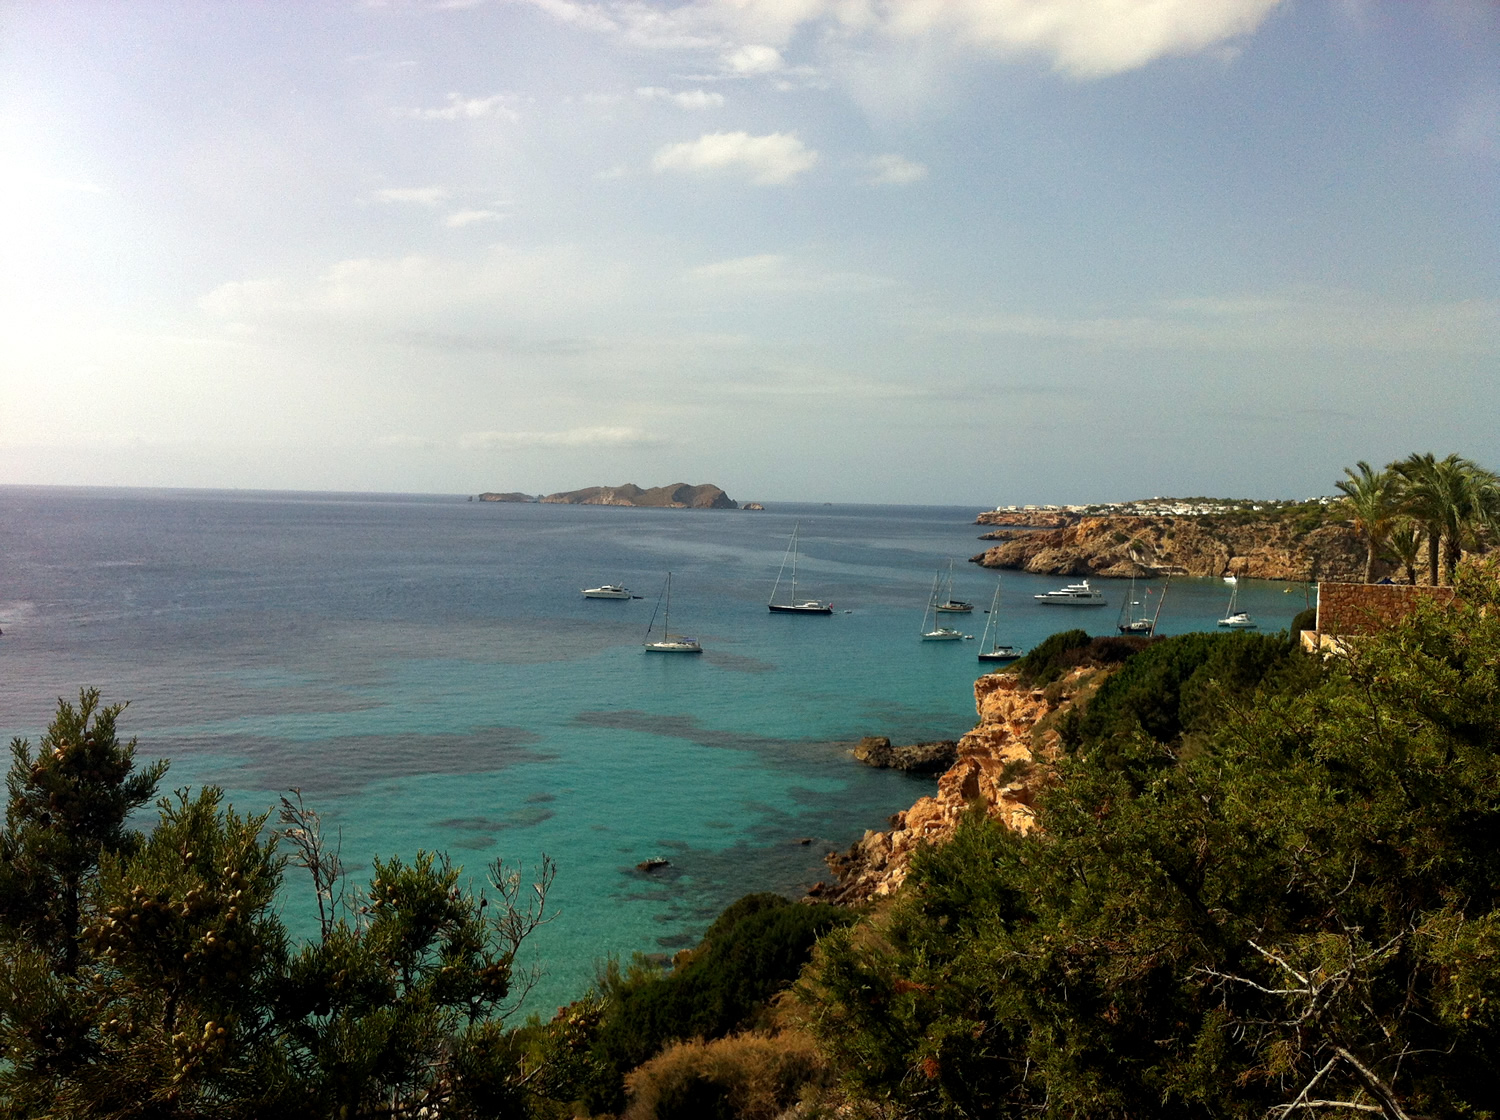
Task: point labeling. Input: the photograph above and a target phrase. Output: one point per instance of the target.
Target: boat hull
(954, 608)
(673, 647)
(606, 593)
(943, 636)
(800, 608)
(1002, 653)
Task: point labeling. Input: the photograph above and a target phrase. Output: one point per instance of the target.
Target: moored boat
(996, 652)
(793, 605)
(937, 633)
(606, 591)
(1234, 618)
(668, 642)
(1073, 595)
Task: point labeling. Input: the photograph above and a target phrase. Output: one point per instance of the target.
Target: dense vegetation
(1266, 887)
(150, 975)
(756, 948)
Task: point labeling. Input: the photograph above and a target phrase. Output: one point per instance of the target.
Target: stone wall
(1346, 609)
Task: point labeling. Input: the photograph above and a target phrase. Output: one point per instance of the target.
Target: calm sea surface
(425, 670)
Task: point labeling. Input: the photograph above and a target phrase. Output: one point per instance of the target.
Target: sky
(916, 251)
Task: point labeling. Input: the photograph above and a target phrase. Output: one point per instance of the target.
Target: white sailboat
(669, 642)
(948, 604)
(794, 605)
(996, 652)
(937, 633)
(1234, 618)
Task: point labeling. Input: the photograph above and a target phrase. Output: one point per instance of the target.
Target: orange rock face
(1001, 765)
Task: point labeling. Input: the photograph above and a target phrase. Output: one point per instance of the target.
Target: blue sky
(946, 251)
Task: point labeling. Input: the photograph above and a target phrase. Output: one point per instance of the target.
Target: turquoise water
(425, 670)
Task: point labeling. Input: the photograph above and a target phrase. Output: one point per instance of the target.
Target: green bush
(753, 950)
(1057, 655)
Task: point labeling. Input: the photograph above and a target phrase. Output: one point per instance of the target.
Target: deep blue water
(425, 670)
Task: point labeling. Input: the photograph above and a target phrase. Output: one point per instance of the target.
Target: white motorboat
(668, 642)
(937, 633)
(1073, 595)
(793, 605)
(606, 591)
(1234, 618)
(996, 652)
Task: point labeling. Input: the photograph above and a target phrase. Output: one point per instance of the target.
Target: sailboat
(1133, 618)
(1132, 622)
(996, 652)
(937, 633)
(949, 604)
(1234, 618)
(793, 605)
(669, 642)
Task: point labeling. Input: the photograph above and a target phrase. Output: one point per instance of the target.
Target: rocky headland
(1120, 545)
(678, 495)
(1002, 764)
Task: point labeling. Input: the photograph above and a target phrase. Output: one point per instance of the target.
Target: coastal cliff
(678, 495)
(1003, 764)
(1122, 546)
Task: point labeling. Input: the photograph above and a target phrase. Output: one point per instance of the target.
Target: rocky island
(1191, 537)
(678, 495)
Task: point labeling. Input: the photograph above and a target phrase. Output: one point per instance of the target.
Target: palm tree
(1374, 498)
(1455, 500)
(1405, 545)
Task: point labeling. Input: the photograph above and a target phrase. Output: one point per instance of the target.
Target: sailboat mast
(795, 528)
(1159, 602)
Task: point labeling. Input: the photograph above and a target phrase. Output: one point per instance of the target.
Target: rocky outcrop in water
(1003, 764)
(919, 758)
(1123, 546)
(678, 495)
(509, 496)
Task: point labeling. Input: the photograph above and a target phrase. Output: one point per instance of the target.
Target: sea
(426, 672)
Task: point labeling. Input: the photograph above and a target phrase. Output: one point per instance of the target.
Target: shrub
(746, 1077)
(753, 950)
(1072, 649)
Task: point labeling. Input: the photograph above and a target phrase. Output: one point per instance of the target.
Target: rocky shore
(1002, 764)
(1063, 544)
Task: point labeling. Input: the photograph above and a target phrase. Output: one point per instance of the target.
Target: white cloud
(770, 160)
(896, 170)
(685, 99)
(422, 196)
(468, 297)
(776, 272)
(572, 437)
(469, 108)
(460, 218)
(1083, 38)
(753, 58)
